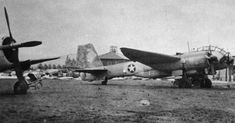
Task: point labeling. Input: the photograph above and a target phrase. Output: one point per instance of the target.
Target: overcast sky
(162, 26)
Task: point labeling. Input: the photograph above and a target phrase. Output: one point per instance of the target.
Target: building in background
(112, 57)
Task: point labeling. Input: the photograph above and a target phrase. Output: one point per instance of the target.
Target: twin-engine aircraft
(193, 66)
(9, 58)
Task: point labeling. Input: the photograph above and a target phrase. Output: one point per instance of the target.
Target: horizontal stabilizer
(19, 45)
(89, 70)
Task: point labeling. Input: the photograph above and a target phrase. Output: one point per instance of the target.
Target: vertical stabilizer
(87, 56)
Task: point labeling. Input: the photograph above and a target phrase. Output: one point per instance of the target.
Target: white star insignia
(131, 68)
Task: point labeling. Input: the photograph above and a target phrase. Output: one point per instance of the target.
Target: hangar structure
(112, 57)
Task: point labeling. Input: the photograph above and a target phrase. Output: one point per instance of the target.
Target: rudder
(87, 56)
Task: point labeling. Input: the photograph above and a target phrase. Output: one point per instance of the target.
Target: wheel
(196, 82)
(208, 83)
(188, 83)
(185, 83)
(181, 83)
(176, 83)
(105, 81)
(202, 83)
(20, 88)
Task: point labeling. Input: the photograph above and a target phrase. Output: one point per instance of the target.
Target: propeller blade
(30, 44)
(226, 74)
(8, 23)
(212, 69)
(229, 73)
(19, 45)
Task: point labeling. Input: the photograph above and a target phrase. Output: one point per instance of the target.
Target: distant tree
(73, 63)
(58, 66)
(67, 61)
(53, 66)
(45, 66)
(49, 66)
(40, 66)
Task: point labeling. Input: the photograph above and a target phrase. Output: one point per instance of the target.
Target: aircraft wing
(42, 60)
(89, 70)
(148, 58)
(26, 64)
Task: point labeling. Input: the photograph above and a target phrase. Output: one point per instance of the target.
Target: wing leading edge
(148, 58)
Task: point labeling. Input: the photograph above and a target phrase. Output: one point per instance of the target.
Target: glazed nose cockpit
(218, 58)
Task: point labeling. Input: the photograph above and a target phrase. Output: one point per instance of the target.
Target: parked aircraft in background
(91, 67)
(9, 58)
(193, 66)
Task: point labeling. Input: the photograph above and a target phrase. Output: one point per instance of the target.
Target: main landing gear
(202, 82)
(105, 81)
(21, 87)
(197, 81)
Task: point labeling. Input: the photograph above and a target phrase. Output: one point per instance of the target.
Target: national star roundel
(131, 68)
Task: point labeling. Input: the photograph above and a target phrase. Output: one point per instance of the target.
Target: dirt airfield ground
(61, 101)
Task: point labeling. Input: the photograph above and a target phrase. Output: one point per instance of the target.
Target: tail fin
(87, 56)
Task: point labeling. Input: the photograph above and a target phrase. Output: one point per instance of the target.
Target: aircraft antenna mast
(188, 46)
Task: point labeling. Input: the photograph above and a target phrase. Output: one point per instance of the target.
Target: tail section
(87, 56)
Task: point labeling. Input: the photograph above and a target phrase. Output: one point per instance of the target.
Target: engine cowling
(10, 54)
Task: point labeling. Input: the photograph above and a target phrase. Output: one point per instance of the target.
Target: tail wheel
(105, 81)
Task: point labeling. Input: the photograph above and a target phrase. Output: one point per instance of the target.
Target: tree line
(50, 66)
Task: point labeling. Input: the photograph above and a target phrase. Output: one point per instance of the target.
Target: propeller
(8, 23)
(19, 45)
(229, 68)
(228, 61)
(14, 56)
(211, 61)
(11, 45)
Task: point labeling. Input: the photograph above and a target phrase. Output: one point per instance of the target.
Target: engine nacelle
(87, 77)
(151, 74)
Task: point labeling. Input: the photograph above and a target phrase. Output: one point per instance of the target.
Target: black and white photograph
(117, 61)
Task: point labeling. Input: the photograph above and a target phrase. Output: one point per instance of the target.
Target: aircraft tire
(105, 81)
(208, 83)
(185, 83)
(20, 88)
(181, 83)
(202, 83)
(188, 83)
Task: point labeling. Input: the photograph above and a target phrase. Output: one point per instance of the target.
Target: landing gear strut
(21, 87)
(105, 81)
(185, 82)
